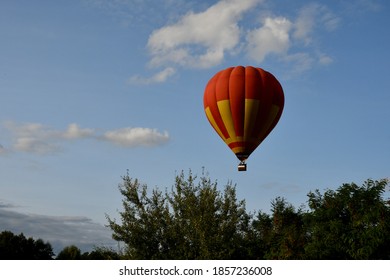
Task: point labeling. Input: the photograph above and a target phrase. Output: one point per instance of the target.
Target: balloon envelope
(243, 105)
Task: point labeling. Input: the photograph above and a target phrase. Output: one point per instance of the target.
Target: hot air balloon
(243, 105)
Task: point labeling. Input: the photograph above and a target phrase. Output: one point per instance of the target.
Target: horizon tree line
(196, 220)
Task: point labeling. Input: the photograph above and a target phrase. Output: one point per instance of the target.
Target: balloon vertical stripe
(237, 99)
(210, 99)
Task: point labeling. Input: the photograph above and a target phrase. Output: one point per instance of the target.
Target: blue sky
(92, 88)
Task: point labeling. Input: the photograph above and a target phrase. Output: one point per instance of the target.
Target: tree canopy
(18, 247)
(72, 252)
(196, 220)
(352, 222)
(192, 221)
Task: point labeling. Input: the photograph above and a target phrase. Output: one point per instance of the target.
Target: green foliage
(192, 221)
(18, 247)
(101, 253)
(350, 223)
(283, 234)
(71, 252)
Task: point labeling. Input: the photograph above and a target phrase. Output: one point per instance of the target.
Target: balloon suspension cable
(242, 166)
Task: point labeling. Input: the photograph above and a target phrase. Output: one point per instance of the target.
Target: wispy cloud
(40, 139)
(133, 137)
(199, 40)
(203, 39)
(279, 35)
(359, 7)
(35, 145)
(75, 132)
(312, 17)
(59, 231)
(159, 77)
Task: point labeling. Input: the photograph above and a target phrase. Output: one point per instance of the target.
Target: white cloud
(25, 130)
(75, 132)
(138, 136)
(160, 77)
(304, 24)
(203, 39)
(299, 62)
(312, 16)
(291, 41)
(200, 39)
(325, 59)
(31, 138)
(39, 139)
(40, 131)
(272, 37)
(35, 145)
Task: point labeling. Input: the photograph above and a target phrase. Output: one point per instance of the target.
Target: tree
(281, 235)
(18, 247)
(71, 252)
(101, 253)
(192, 221)
(350, 223)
